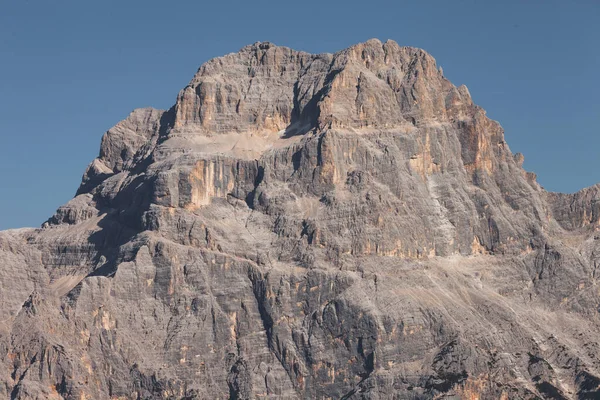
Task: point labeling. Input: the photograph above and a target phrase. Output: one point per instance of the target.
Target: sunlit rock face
(345, 225)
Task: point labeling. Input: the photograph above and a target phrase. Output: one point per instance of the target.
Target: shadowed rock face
(306, 226)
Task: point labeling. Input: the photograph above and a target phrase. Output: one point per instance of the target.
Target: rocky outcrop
(345, 225)
(577, 210)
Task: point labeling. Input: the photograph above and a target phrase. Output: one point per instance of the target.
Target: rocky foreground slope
(307, 226)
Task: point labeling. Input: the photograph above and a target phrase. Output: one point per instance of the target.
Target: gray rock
(306, 226)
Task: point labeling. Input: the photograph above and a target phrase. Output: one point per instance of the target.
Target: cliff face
(306, 226)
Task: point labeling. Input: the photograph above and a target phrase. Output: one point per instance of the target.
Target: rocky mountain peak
(346, 225)
(266, 87)
(248, 104)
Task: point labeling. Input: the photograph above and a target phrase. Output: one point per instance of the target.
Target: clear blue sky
(70, 70)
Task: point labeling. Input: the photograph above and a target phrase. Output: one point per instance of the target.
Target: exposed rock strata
(306, 226)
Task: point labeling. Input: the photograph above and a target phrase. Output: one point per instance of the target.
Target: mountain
(345, 225)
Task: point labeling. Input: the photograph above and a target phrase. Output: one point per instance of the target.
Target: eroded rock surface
(345, 225)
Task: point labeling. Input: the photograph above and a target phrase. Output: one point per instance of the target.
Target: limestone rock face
(345, 225)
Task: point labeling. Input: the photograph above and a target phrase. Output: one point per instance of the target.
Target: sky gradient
(72, 69)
